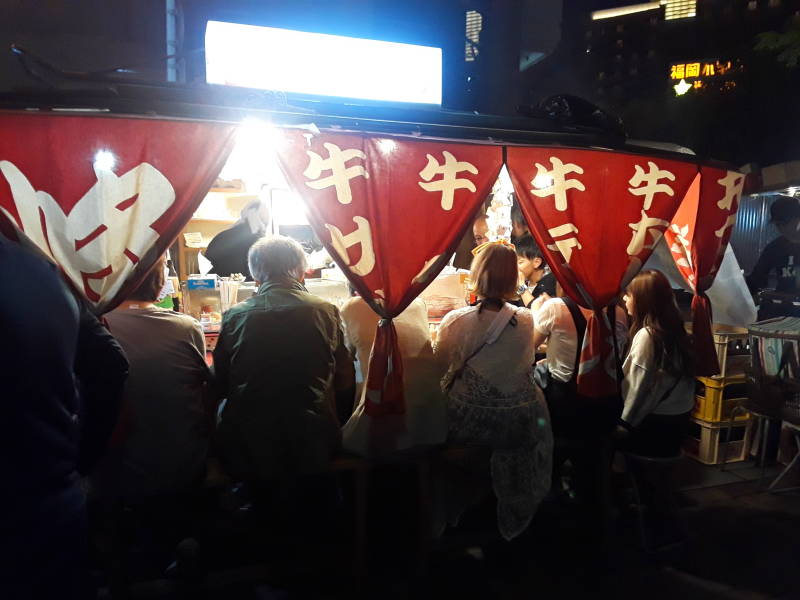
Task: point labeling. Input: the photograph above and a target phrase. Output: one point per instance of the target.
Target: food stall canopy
(697, 238)
(103, 197)
(391, 213)
(597, 217)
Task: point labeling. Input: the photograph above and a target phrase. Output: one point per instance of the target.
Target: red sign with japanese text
(597, 216)
(103, 197)
(390, 211)
(697, 238)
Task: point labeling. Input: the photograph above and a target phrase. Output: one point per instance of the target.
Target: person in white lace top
(492, 401)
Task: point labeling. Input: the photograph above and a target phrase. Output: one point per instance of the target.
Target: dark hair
(494, 272)
(516, 212)
(654, 307)
(151, 285)
(527, 247)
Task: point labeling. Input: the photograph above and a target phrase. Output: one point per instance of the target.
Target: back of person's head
(257, 215)
(519, 226)
(494, 272)
(654, 307)
(276, 257)
(151, 286)
(784, 214)
(526, 247)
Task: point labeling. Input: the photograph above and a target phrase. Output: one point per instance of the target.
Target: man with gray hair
(282, 365)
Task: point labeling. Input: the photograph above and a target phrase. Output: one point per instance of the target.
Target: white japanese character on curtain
(450, 182)
(646, 225)
(106, 232)
(361, 236)
(733, 183)
(554, 182)
(565, 244)
(647, 183)
(340, 175)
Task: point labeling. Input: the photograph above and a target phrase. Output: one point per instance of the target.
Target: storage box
(708, 442)
(733, 349)
(198, 282)
(717, 396)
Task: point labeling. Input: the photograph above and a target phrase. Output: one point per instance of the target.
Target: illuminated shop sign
(698, 75)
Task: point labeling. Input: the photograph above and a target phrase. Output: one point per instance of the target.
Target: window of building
(653, 20)
(634, 71)
(620, 44)
(589, 34)
(774, 3)
(752, 5)
(601, 75)
(473, 35)
(620, 28)
(679, 9)
(618, 58)
(651, 53)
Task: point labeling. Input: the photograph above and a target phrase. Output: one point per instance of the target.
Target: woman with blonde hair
(488, 352)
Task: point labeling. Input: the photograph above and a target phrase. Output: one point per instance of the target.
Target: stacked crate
(715, 399)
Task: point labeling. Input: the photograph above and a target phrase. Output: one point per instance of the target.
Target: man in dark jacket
(282, 364)
(42, 508)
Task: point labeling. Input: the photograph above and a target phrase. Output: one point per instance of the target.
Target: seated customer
(535, 277)
(491, 398)
(425, 419)
(282, 364)
(160, 445)
(658, 388)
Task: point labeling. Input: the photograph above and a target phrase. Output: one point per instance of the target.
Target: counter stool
(649, 464)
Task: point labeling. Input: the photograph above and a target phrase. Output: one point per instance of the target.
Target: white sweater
(644, 385)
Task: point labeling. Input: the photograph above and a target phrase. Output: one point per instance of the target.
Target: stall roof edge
(217, 103)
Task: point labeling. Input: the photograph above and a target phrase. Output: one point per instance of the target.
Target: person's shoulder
(355, 306)
(553, 305)
(524, 316)
(179, 319)
(778, 245)
(458, 314)
(642, 341)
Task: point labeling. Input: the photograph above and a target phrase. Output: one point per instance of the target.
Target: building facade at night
(686, 71)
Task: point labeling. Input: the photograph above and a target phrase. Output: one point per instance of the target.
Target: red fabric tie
(385, 375)
(707, 363)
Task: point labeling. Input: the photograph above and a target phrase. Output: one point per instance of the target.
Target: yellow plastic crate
(716, 397)
(708, 442)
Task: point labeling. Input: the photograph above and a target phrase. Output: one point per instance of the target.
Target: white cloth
(555, 321)
(426, 416)
(644, 385)
(494, 403)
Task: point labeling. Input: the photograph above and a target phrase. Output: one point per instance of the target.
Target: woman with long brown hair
(658, 385)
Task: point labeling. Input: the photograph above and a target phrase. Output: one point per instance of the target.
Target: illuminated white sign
(322, 65)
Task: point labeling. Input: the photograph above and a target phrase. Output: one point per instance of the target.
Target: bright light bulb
(541, 182)
(104, 160)
(387, 146)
